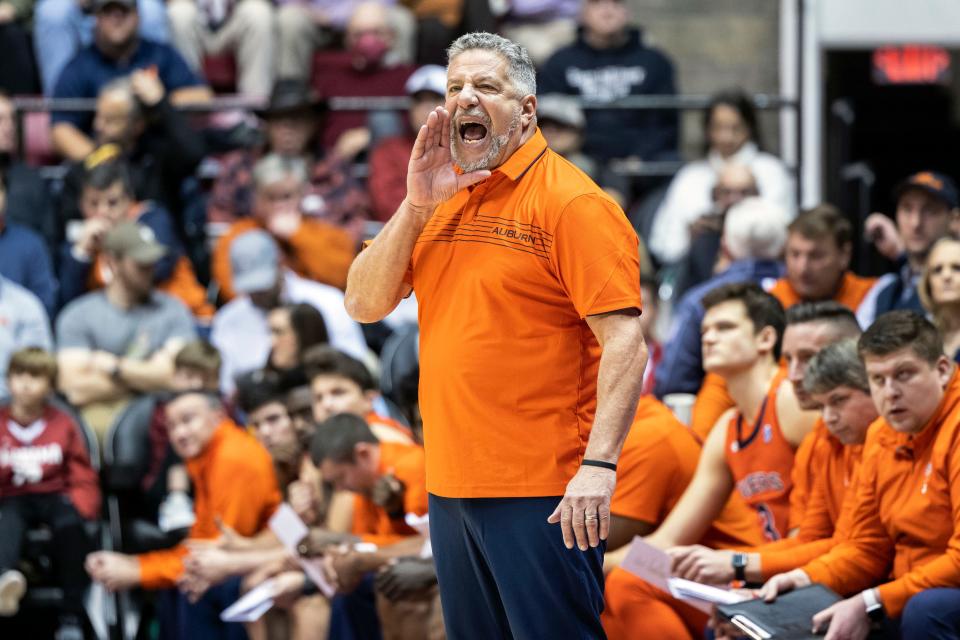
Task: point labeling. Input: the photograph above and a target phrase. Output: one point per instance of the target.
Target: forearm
(70, 142)
(84, 387)
(613, 559)
(618, 389)
(155, 374)
(243, 562)
(375, 281)
(191, 95)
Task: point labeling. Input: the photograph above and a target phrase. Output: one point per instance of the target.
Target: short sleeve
(645, 484)
(71, 84)
(71, 329)
(596, 256)
(175, 74)
(181, 324)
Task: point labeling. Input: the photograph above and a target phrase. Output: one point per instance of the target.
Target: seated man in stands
(241, 329)
(817, 254)
(312, 249)
(135, 118)
(24, 257)
(106, 199)
(117, 50)
(120, 341)
(291, 121)
(928, 207)
(900, 551)
(236, 491)
(45, 478)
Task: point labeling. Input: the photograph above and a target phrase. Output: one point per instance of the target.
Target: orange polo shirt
(853, 289)
(907, 512)
(658, 461)
(233, 479)
(505, 273)
(318, 251)
(370, 521)
(805, 469)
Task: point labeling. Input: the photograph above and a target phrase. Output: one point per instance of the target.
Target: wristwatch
(874, 606)
(739, 563)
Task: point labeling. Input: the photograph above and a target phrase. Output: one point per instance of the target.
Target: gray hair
(123, 86)
(836, 365)
(520, 69)
(274, 167)
(755, 228)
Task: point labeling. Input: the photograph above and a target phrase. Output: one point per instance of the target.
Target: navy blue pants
(182, 620)
(932, 614)
(505, 573)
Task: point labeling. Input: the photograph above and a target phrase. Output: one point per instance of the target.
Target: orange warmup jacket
(318, 251)
(233, 479)
(906, 520)
(407, 463)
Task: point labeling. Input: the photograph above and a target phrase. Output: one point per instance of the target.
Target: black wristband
(603, 464)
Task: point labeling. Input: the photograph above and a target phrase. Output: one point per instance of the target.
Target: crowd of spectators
(192, 264)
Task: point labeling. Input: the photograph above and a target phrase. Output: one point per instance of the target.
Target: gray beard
(497, 143)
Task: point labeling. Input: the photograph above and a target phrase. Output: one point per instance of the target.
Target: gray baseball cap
(135, 241)
(255, 261)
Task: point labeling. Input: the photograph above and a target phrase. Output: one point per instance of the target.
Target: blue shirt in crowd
(90, 70)
(25, 260)
(681, 370)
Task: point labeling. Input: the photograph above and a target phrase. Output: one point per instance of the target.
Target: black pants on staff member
(504, 572)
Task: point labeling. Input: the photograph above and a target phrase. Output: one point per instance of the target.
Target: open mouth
(472, 132)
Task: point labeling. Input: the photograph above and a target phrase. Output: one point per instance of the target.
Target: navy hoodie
(606, 75)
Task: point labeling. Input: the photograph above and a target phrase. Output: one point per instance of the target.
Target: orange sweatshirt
(829, 510)
(233, 479)
(407, 463)
(907, 512)
(318, 251)
(851, 293)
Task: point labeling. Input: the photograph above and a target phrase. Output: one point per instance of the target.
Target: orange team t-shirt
(658, 461)
(761, 462)
(828, 515)
(371, 522)
(505, 274)
(318, 251)
(233, 479)
(853, 289)
(907, 512)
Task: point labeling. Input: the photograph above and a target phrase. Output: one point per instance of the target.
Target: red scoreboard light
(911, 64)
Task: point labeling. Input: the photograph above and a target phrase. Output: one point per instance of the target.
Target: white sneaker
(12, 587)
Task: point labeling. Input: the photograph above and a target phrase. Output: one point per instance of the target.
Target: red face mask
(370, 48)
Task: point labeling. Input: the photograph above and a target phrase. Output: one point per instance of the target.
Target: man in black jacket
(607, 62)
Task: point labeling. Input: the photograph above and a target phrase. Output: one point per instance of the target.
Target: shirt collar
(524, 157)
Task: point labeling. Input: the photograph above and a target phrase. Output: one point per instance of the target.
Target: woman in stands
(940, 292)
(294, 329)
(730, 132)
